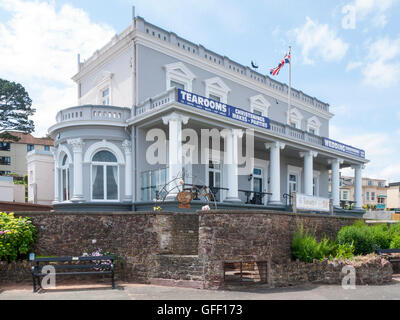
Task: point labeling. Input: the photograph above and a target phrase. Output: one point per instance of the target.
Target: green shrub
(16, 236)
(344, 251)
(394, 230)
(380, 234)
(395, 243)
(306, 248)
(360, 236)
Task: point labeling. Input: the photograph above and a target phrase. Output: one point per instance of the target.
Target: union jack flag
(286, 59)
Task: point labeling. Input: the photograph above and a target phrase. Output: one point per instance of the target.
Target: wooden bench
(90, 268)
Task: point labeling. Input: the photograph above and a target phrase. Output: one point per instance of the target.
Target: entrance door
(257, 185)
(214, 179)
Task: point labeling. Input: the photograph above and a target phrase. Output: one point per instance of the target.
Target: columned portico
(127, 146)
(175, 155)
(231, 137)
(358, 186)
(335, 167)
(77, 146)
(275, 170)
(308, 171)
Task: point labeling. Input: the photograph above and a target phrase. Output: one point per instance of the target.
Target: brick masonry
(186, 249)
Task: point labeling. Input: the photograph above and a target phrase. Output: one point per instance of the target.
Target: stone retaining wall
(226, 236)
(187, 248)
(369, 270)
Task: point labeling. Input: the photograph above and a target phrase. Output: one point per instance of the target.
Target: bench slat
(90, 266)
(75, 273)
(82, 258)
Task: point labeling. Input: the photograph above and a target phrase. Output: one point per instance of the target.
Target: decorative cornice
(311, 153)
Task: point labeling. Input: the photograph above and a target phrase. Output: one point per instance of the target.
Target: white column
(358, 186)
(231, 137)
(308, 171)
(77, 146)
(275, 171)
(335, 179)
(127, 146)
(175, 121)
(56, 175)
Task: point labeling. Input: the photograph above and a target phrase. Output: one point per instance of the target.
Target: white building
(147, 78)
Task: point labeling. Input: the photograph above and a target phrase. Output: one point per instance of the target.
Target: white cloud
(319, 41)
(353, 65)
(380, 148)
(382, 67)
(375, 11)
(38, 48)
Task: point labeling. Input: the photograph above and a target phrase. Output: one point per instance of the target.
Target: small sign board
(31, 256)
(304, 202)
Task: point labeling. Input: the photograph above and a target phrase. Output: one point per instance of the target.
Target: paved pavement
(127, 291)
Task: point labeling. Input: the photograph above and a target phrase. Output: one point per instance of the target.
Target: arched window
(65, 179)
(105, 176)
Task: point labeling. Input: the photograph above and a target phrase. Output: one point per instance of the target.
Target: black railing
(289, 199)
(257, 196)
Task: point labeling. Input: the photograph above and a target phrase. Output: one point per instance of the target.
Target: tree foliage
(15, 110)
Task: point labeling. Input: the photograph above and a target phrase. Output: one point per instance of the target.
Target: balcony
(94, 113)
(170, 97)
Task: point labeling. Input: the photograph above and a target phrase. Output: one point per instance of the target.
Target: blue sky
(345, 53)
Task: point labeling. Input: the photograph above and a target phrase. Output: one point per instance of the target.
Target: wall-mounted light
(250, 176)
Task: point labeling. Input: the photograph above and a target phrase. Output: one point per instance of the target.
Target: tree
(15, 110)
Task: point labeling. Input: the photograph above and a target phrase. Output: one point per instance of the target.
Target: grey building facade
(146, 81)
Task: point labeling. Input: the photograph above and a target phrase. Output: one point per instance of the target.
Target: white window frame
(102, 85)
(315, 124)
(295, 171)
(296, 117)
(217, 87)
(104, 164)
(219, 161)
(259, 103)
(264, 166)
(67, 175)
(180, 73)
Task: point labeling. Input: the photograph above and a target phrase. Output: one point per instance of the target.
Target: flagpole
(290, 85)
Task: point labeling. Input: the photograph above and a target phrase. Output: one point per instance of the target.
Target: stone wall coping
(105, 213)
(271, 212)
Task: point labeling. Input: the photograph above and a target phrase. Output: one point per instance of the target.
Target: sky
(345, 53)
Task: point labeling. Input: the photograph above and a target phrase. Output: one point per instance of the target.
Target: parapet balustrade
(158, 102)
(93, 112)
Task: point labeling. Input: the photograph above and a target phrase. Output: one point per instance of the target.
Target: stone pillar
(77, 147)
(175, 157)
(275, 171)
(231, 163)
(308, 171)
(127, 146)
(358, 186)
(335, 181)
(56, 176)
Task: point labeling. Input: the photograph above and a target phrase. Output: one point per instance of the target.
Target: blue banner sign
(343, 148)
(222, 109)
